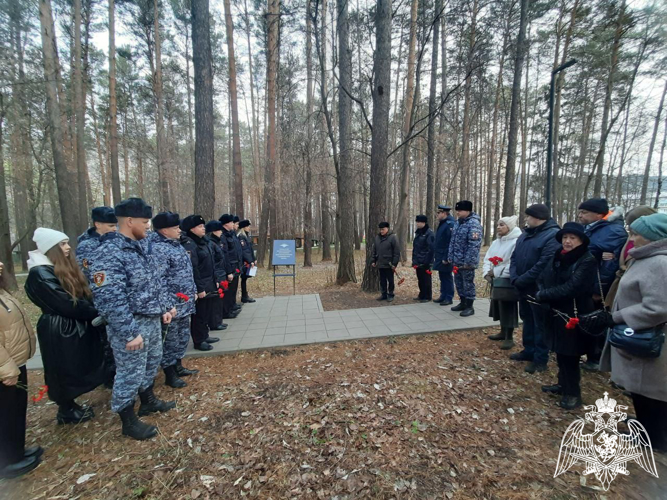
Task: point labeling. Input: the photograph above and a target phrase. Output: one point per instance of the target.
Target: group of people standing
(126, 306)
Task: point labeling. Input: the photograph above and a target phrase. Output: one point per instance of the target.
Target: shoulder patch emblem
(85, 263)
(475, 235)
(99, 278)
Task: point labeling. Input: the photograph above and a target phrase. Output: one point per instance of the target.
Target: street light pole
(550, 138)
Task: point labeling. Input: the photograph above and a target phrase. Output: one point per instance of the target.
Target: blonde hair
(68, 273)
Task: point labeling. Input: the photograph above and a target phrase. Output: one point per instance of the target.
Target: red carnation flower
(428, 271)
(415, 267)
(572, 324)
(221, 293)
(225, 285)
(456, 270)
(182, 296)
(42, 392)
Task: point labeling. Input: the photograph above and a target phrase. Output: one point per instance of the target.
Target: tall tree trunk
(106, 193)
(113, 126)
(381, 93)
(658, 191)
(64, 181)
(523, 197)
(430, 168)
(80, 111)
(163, 177)
(255, 121)
(510, 171)
(204, 144)
(5, 234)
(308, 206)
(236, 139)
(408, 105)
(464, 166)
(647, 170)
(345, 173)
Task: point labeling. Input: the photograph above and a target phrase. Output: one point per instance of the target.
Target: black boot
(71, 413)
(469, 310)
(460, 307)
(570, 402)
(552, 389)
(172, 379)
(439, 299)
(381, 297)
(18, 469)
(134, 427)
(247, 300)
(182, 371)
(151, 404)
(498, 336)
(508, 343)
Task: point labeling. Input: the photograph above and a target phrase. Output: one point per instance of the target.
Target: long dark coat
(71, 348)
(567, 279)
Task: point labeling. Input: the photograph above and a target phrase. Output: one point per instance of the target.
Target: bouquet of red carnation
(572, 323)
(221, 293)
(495, 260)
(182, 296)
(225, 285)
(456, 270)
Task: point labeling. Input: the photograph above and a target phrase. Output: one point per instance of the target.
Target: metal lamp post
(550, 138)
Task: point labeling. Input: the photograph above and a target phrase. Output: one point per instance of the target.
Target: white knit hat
(46, 238)
(510, 221)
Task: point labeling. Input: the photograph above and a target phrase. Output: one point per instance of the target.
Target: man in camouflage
(248, 259)
(464, 255)
(126, 292)
(179, 290)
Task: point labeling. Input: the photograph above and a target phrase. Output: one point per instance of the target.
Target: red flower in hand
(225, 285)
(238, 270)
(572, 323)
(221, 293)
(41, 394)
(428, 271)
(456, 270)
(182, 296)
(415, 267)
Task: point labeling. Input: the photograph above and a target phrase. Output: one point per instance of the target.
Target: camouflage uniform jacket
(466, 242)
(126, 282)
(86, 245)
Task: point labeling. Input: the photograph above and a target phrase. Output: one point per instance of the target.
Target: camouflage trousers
(135, 370)
(465, 283)
(175, 340)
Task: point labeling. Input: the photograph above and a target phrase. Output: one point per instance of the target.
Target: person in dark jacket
(422, 257)
(248, 259)
(197, 245)
(386, 254)
(607, 240)
(534, 250)
(464, 250)
(70, 345)
(566, 287)
(443, 237)
(213, 233)
(234, 255)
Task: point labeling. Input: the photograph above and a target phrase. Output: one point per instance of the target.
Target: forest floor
(425, 416)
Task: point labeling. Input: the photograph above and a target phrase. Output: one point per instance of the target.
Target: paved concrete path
(301, 319)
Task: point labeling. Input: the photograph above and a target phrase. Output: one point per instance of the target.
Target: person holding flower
(566, 288)
(496, 270)
(17, 346)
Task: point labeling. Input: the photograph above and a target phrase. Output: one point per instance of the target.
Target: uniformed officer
(222, 270)
(104, 221)
(234, 254)
(199, 249)
(178, 285)
(126, 291)
(422, 257)
(464, 255)
(441, 263)
(249, 260)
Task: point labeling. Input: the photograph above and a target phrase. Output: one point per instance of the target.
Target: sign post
(284, 254)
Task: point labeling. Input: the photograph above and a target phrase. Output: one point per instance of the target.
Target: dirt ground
(434, 416)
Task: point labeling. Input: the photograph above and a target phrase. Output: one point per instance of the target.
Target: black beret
(237, 219)
(421, 218)
(445, 208)
(104, 214)
(595, 205)
(244, 223)
(191, 221)
(213, 225)
(573, 228)
(226, 219)
(464, 205)
(134, 207)
(539, 211)
(383, 224)
(165, 219)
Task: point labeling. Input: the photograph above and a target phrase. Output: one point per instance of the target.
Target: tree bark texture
(113, 108)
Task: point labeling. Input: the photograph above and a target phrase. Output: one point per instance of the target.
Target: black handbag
(503, 291)
(640, 343)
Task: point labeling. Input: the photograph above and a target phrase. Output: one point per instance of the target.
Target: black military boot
(151, 404)
(247, 300)
(460, 307)
(134, 427)
(172, 379)
(182, 371)
(552, 389)
(237, 307)
(508, 343)
(439, 299)
(498, 336)
(72, 413)
(570, 402)
(382, 297)
(469, 310)
(390, 298)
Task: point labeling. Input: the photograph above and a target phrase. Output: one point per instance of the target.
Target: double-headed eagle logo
(606, 451)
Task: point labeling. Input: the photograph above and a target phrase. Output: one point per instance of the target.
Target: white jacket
(503, 247)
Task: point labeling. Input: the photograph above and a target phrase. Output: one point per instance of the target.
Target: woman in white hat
(70, 346)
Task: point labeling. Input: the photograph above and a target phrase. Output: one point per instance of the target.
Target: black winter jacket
(203, 264)
(70, 346)
(233, 250)
(248, 250)
(386, 251)
(222, 266)
(423, 247)
(567, 279)
(534, 250)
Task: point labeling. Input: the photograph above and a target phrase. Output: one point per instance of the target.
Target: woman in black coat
(70, 346)
(566, 287)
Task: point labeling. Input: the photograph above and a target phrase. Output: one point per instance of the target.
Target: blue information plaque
(284, 253)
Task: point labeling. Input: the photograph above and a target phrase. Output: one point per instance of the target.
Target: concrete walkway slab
(301, 319)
